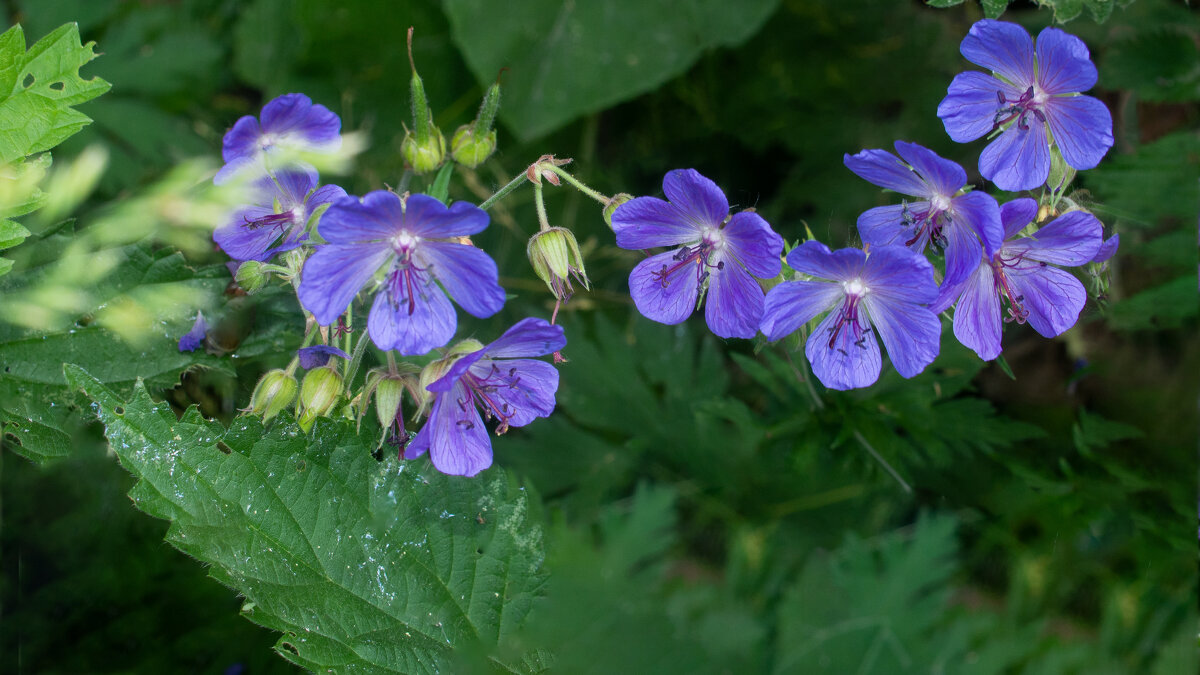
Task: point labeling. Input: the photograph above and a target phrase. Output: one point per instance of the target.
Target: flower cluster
(888, 290)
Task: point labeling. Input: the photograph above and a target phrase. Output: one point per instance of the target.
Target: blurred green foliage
(705, 509)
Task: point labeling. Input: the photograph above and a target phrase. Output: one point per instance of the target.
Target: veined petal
(792, 304)
(293, 186)
(900, 275)
(943, 176)
(910, 332)
(242, 140)
(814, 258)
(1073, 238)
(647, 222)
(529, 392)
(1016, 214)
(698, 198)
(468, 274)
(844, 361)
(1108, 249)
(963, 253)
(528, 337)
(885, 225)
(1019, 159)
(240, 241)
(969, 109)
(326, 194)
(750, 240)
(458, 443)
(425, 216)
(333, 275)
(734, 306)
(884, 169)
(670, 300)
(977, 318)
(411, 326)
(1082, 128)
(1064, 64)
(303, 124)
(978, 212)
(375, 218)
(1002, 47)
(1052, 297)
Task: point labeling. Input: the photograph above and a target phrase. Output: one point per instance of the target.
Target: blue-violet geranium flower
(277, 222)
(1020, 274)
(723, 252)
(500, 380)
(1033, 96)
(291, 121)
(884, 292)
(417, 243)
(956, 223)
(191, 340)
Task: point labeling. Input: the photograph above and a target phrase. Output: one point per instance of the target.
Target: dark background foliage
(708, 509)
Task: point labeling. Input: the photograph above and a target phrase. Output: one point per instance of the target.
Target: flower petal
(1108, 249)
(529, 392)
(734, 306)
(304, 124)
(792, 304)
(814, 258)
(240, 241)
(191, 340)
(376, 217)
(884, 169)
(669, 300)
(910, 332)
(292, 186)
(1016, 214)
(900, 275)
(969, 109)
(412, 328)
(943, 176)
(1064, 64)
(1019, 159)
(1002, 47)
(646, 222)
(963, 252)
(846, 362)
(980, 214)
(458, 441)
(468, 274)
(1082, 128)
(1073, 238)
(977, 318)
(1052, 297)
(425, 216)
(697, 198)
(528, 337)
(241, 141)
(886, 225)
(326, 194)
(333, 275)
(316, 356)
(752, 242)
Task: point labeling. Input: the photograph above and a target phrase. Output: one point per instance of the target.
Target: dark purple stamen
(1019, 110)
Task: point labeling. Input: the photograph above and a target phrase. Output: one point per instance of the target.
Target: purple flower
(884, 291)
(276, 223)
(724, 253)
(1033, 96)
(290, 121)
(192, 339)
(1020, 275)
(417, 243)
(318, 355)
(954, 222)
(1108, 249)
(496, 379)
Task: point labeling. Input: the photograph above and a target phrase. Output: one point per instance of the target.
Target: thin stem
(861, 439)
(356, 358)
(540, 203)
(348, 324)
(405, 180)
(503, 192)
(578, 184)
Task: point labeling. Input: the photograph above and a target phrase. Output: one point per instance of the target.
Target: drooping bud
(475, 142)
(388, 393)
(251, 276)
(611, 207)
(555, 257)
(275, 391)
(1061, 173)
(320, 389)
(424, 147)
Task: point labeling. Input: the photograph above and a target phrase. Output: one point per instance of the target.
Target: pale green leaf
(11, 234)
(364, 565)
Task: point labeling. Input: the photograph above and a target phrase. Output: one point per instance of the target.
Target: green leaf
(1158, 63)
(11, 234)
(1158, 180)
(43, 84)
(992, 9)
(361, 564)
(940, 4)
(571, 59)
(1159, 308)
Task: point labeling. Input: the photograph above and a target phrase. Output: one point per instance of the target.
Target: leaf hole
(29, 80)
(13, 437)
(300, 466)
(120, 410)
(290, 647)
(478, 551)
(58, 86)
(224, 448)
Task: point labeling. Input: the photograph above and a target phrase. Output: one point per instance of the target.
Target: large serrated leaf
(567, 59)
(364, 565)
(39, 88)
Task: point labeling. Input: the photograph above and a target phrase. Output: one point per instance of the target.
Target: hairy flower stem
(579, 185)
(540, 202)
(862, 440)
(503, 192)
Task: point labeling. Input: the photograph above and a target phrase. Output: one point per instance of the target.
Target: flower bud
(470, 148)
(611, 207)
(388, 393)
(320, 390)
(423, 148)
(274, 392)
(555, 257)
(251, 276)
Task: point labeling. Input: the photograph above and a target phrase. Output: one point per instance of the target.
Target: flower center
(1000, 281)
(931, 223)
(710, 242)
(483, 391)
(404, 243)
(848, 314)
(1029, 103)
